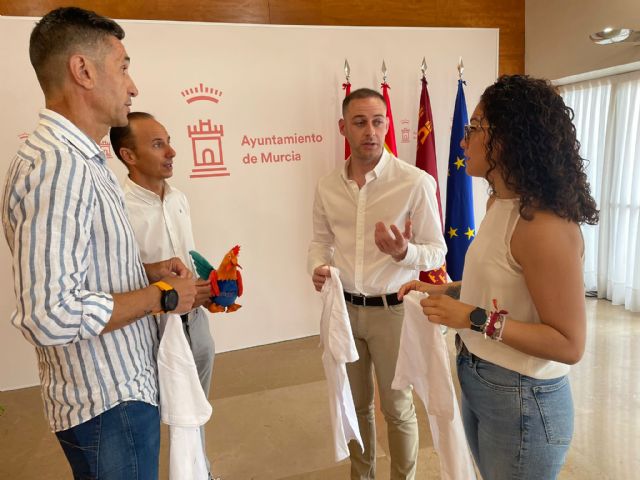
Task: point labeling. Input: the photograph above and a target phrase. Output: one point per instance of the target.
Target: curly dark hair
(532, 137)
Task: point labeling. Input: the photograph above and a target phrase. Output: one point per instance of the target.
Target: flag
(459, 225)
(426, 160)
(390, 139)
(347, 90)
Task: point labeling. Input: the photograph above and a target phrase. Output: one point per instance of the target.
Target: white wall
(274, 81)
(557, 36)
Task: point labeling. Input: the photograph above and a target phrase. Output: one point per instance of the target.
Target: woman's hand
(419, 286)
(415, 285)
(445, 310)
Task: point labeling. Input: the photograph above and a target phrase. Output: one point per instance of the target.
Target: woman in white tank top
(521, 313)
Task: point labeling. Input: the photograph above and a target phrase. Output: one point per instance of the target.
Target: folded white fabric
(183, 403)
(423, 362)
(339, 348)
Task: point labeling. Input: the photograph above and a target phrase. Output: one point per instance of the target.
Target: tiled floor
(271, 415)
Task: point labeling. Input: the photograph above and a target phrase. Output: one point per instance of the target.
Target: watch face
(478, 317)
(169, 300)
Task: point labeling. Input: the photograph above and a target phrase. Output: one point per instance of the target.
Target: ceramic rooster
(226, 281)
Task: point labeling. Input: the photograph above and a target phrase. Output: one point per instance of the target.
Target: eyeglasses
(469, 129)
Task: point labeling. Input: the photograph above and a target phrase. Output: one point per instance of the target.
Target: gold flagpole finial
(423, 68)
(460, 68)
(347, 70)
(384, 72)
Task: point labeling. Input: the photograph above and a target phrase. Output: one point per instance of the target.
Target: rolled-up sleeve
(322, 244)
(48, 214)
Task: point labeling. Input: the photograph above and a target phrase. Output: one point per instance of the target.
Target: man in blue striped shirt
(84, 298)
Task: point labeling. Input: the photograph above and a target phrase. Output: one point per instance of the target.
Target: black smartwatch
(169, 298)
(478, 318)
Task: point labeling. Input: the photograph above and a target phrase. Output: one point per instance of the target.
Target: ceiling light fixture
(615, 35)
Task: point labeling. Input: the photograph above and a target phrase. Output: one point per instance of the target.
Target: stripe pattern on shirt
(65, 223)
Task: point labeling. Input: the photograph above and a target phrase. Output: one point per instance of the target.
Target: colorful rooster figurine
(226, 281)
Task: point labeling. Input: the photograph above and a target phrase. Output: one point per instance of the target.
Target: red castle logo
(405, 131)
(201, 93)
(206, 138)
(206, 141)
(106, 148)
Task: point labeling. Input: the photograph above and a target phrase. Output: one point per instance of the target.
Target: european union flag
(459, 225)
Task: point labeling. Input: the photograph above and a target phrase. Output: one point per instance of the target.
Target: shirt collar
(145, 195)
(65, 129)
(382, 163)
(377, 170)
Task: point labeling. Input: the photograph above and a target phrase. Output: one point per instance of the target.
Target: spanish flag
(390, 139)
(347, 90)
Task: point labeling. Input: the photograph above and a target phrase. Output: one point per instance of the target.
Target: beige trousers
(376, 331)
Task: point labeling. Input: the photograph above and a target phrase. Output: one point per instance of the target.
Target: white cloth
(162, 227)
(339, 348)
(344, 219)
(490, 271)
(423, 361)
(183, 404)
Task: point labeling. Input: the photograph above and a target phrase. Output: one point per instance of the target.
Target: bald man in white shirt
(161, 221)
(358, 212)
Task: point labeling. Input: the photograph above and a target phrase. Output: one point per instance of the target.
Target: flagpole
(346, 86)
(426, 160)
(459, 225)
(390, 139)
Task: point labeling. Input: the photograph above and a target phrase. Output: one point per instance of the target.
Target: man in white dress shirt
(161, 221)
(357, 210)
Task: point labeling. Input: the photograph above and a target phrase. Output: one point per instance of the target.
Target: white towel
(423, 361)
(183, 404)
(339, 348)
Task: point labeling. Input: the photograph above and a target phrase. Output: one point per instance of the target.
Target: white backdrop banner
(252, 112)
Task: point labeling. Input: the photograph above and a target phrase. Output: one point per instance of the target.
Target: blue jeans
(517, 427)
(122, 443)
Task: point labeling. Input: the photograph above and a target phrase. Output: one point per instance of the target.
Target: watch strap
(164, 286)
